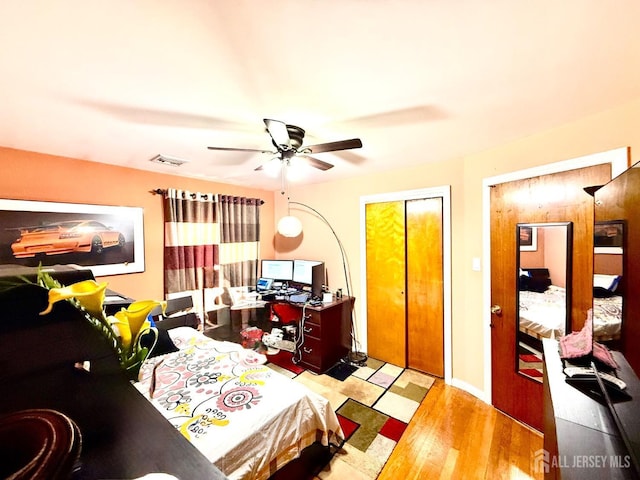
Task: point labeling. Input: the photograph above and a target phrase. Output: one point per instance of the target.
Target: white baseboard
(467, 387)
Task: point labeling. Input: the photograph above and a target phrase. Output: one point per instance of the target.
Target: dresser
(581, 438)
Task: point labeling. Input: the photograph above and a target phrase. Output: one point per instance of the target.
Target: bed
(542, 314)
(246, 418)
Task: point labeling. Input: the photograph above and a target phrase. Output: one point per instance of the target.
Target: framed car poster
(107, 239)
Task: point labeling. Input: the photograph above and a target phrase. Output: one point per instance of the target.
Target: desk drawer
(313, 316)
(311, 352)
(312, 329)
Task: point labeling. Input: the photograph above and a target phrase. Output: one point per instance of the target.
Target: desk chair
(177, 314)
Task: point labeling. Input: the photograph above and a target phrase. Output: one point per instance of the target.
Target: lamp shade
(289, 226)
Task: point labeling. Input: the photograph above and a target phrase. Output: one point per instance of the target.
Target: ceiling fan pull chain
(283, 178)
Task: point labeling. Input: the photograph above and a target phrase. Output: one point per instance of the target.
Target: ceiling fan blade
(333, 146)
(395, 118)
(278, 132)
(269, 164)
(231, 149)
(314, 162)
(166, 118)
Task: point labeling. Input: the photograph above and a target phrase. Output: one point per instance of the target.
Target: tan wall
(34, 176)
(339, 202)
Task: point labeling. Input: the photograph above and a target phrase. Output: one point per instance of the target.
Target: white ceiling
(121, 81)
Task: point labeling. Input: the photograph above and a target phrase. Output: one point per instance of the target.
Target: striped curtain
(191, 247)
(211, 241)
(240, 240)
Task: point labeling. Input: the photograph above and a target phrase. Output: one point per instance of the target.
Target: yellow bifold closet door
(405, 295)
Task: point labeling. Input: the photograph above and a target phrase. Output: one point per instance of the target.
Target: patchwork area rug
(530, 362)
(374, 403)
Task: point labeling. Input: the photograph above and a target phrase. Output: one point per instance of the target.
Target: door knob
(496, 310)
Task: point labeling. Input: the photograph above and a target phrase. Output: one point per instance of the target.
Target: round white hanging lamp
(289, 226)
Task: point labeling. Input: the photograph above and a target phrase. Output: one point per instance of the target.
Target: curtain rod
(160, 191)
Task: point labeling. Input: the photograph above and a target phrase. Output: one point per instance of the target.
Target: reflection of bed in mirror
(542, 307)
(542, 314)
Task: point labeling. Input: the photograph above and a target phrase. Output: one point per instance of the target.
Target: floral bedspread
(607, 318)
(543, 315)
(244, 417)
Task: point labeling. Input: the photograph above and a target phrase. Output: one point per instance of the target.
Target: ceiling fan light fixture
(289, 226)
(273, 167)
(295, 170)
(288, 142)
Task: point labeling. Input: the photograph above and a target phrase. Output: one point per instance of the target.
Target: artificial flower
(124, 330)
(133, 322)
(89, 293)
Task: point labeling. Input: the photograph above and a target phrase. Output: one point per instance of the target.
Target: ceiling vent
(166, 160)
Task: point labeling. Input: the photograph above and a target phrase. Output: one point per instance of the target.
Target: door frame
(443, 192)
(618, 158)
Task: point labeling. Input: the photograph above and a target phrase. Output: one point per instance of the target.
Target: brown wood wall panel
(559, 197)
(619, 201)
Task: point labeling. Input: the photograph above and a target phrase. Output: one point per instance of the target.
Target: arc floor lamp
(290, 226)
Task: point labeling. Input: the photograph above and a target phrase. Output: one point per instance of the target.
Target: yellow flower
(132, 322)
(89, 293)
(124, 330)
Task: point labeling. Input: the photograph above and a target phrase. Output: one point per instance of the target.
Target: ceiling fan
(288, 139)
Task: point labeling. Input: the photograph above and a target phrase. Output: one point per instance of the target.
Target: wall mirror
(616, 259)
(616, 299)
(608, 253)
(543, 284)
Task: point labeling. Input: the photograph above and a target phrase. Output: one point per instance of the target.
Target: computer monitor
(317, 281)
(280, 270)
(264, 284)
(310, 273)
(302, 271)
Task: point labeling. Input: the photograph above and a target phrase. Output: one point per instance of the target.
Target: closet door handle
(306, 329)
(307, 350)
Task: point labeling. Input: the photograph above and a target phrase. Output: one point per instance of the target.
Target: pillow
(599, 292)
(184, 336)
(534, 280)
(608, 282)
(163, 345)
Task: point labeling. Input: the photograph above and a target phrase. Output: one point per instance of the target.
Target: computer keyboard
(301, 297)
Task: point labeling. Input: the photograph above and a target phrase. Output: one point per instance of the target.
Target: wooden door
(386, 314)
(559, 197)
(425, 286)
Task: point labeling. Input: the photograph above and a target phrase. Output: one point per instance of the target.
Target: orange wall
(35, 176)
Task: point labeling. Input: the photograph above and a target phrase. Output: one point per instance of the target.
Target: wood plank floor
(455, 435)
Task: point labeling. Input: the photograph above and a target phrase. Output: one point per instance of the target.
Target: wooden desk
(326, 334)
(579, 428)
(326, 329)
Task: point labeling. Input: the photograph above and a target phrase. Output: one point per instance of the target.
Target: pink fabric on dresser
(580, 344)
